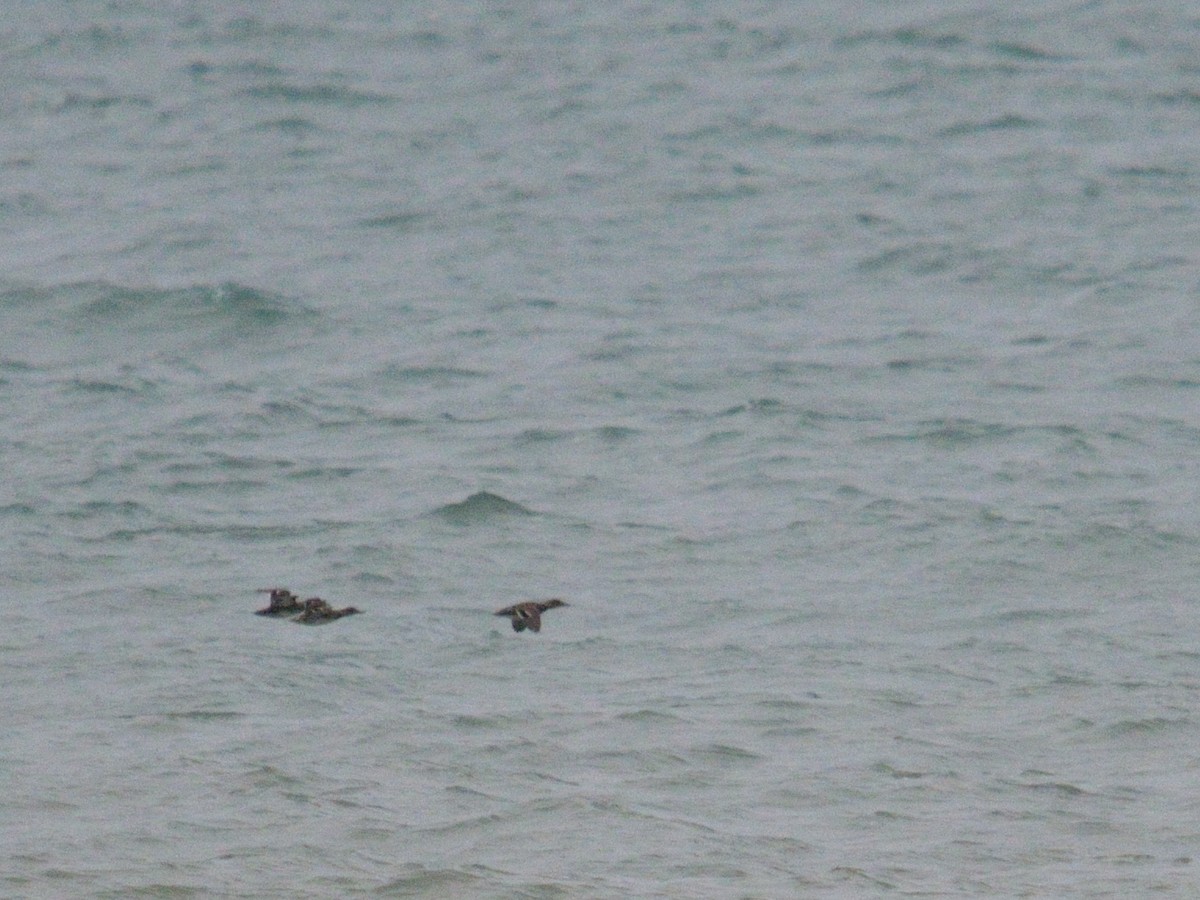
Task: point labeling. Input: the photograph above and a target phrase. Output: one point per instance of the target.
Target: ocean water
(839, 364)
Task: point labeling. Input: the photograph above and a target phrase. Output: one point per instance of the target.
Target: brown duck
(318, 612)
(283, 603)
(529, 614)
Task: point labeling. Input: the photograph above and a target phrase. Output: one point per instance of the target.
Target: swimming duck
(318, 612)
(283, 603)
(529, 614)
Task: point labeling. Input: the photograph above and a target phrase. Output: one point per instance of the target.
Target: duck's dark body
(529, 614)
(318, 612)
(283, 603)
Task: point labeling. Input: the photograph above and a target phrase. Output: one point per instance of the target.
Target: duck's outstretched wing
(524, 615)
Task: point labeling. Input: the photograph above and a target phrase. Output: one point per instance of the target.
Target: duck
(318, 612)
(283, 603)
(529, 614)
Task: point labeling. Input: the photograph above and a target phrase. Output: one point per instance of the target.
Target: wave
(333, 94)
(87, 306)
(430, 374)
(82, 323)
(417, 880)
(482, 506)
(244, 305)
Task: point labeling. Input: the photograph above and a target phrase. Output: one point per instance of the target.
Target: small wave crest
(482, 506)
(244, 305)
(85, 322)
(417, 880)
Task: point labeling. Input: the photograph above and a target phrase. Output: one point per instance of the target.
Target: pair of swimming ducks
(315, 611)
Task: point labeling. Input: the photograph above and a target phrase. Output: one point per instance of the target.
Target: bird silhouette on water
(318, 612)
(283, 603)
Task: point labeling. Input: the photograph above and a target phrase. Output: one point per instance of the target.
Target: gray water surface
(839, 365)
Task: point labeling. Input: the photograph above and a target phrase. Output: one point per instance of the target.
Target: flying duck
(529, 614)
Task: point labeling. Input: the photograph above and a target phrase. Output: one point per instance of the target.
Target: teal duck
(529, 614)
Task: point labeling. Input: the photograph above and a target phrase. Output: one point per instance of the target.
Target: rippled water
(840, 368)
